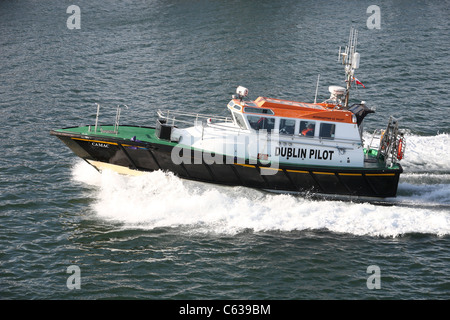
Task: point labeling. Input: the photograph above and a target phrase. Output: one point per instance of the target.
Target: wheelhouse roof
(294, 109)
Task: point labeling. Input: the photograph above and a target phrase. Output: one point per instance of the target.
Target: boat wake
(158, 200)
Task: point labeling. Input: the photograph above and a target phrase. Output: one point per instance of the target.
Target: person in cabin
(308, 131)
(262, 123)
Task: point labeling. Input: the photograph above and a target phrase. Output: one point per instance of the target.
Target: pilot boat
(267, 143)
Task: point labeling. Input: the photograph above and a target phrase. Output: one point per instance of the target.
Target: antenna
(96, 118)
(317, 88)
(350, 59)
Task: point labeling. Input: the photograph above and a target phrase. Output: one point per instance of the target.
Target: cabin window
(287, 126)
(235, 106)
(327, 130)
(260, 123)
(307, 128)
(239, 120)
(258, 110)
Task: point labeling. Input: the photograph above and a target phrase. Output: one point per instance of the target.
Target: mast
(350, 60)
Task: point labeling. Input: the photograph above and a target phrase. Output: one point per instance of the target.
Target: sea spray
(160, 199)
(427, 153)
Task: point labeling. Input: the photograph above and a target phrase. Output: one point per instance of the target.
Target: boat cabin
(293, 118)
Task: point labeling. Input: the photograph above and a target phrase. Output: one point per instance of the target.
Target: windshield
(239, 119)
(259, 123)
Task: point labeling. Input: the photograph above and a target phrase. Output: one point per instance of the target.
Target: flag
(358, 82)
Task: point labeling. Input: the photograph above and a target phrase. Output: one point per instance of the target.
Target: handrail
(116, 121)
(170, 116)
(174, 116)
(191, 114)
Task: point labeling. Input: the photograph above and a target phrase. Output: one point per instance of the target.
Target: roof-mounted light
(242, 92)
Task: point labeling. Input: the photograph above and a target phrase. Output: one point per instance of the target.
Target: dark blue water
(157, 237)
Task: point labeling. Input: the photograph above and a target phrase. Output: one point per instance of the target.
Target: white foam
(434, 194)
(427, 153)
(83, 172)
(158, 199)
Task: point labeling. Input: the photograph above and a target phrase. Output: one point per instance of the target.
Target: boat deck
(144, 134)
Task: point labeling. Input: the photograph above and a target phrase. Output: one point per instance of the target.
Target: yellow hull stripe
(95, 141)
(245, 165)
(266, 168)
(297, 171)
